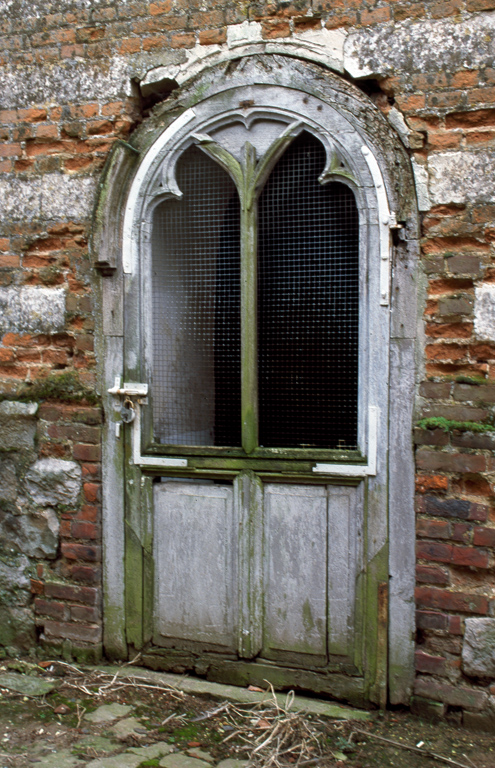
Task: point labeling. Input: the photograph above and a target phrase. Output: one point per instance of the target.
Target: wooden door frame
(125, 598)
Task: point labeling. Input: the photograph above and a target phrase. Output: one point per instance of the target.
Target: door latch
(127, 390)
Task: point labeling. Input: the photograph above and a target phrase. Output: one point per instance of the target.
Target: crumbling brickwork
(73, 82)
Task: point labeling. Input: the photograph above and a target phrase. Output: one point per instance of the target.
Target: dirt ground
(35, 729)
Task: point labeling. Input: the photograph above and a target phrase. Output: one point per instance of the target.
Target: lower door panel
(282, 567)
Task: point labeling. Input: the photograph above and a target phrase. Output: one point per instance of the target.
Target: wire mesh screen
(308, 304)
(196, 308)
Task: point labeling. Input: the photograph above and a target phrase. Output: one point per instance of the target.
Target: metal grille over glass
(196, 308)
(308, 305)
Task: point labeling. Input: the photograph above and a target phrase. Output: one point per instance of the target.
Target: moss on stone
(65, 387)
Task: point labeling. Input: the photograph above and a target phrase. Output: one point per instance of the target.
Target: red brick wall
(447, 110)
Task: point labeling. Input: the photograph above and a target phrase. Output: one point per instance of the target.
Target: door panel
(295, 578)
(345, 509)
(195, 549)
(278, 561)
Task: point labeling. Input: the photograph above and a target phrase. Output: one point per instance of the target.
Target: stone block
(32, 309)
(53, 481)
(478, 650)
(462, 177)
(34, 535)
(17, 629)
(484, 311)
(8, 481)
(17, 425)
(14, 584)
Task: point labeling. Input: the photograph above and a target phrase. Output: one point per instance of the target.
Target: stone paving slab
(29, 686)
(180, 760)
(124, 760)
(125, 728)
(63, 758)
(98, 743)
(242, 695)
(107, 713)
(159, 749)
(200, 753)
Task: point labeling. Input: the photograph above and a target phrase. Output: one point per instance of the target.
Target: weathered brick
(432, 574)
(84, 452)
(449, 462)
(441, 599)
(431, 620)
(470, 556)
(84, 530)
(77, 594)
(426, 483)
(484, 537)
(37, 587)
(434, 665)
(456, 625)
(50, 608)
(456, 696)
(84, 552)
(434, 550)
(441, 507)
(84, 613)
(431, 436)
(433, 529)
(474, 393)
(86, 573)
(86, 633)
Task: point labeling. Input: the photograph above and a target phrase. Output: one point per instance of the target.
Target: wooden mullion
(249, 306)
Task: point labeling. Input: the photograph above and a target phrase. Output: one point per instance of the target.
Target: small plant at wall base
(66, 387)
(448, 425)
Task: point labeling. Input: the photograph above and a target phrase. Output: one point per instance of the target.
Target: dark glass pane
(196, 308)
(308, 311)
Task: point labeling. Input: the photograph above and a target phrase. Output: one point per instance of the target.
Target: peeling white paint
(484, 311)
(320, 45)
(53, 196)
(38, 310)
(245, 33)
(462, 177)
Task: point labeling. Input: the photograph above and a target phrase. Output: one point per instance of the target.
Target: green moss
(477, 380)
(448, 425)
(66, 387)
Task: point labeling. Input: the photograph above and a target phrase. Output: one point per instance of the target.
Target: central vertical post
(249, 304)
